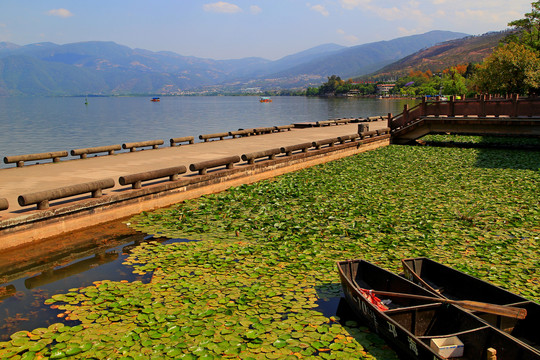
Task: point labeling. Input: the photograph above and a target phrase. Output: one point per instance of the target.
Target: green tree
(511, 68)
(312, 91)
(427, 90)
(331, 85)
(528, 28)
(471, 68)
(453, 83)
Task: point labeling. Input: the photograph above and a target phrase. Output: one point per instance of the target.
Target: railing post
(452, 100)
(482, 105)
(389, 119)
(423, 107)
(515, 98)
(405, 114)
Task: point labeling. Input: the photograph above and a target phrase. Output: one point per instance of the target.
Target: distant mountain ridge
(107, 68)
(470, 49)
(366, 58)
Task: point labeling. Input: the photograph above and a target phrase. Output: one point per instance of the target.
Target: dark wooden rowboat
(410, 324)
(449, 283)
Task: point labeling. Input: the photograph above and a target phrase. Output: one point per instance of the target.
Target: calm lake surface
(34, 124)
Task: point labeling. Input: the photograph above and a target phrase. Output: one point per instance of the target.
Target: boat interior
(428, 320)
(456, 285)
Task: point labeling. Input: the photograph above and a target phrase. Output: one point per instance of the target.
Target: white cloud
(414, 11)
(63, 13)
(426, 13)
(392, 13)
(320, 9)
(440, 14)
(351, 4)
(486, 16)
(222, 7)
(351, 39)
(485, 11)
(406, 32)
(254, 9)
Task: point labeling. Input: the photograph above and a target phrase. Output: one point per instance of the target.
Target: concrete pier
(21, 225)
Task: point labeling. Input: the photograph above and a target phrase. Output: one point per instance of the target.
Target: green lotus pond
(252, 287)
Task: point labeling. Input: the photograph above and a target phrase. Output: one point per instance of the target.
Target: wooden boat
(265, 99)
(411, 325)
(155, 99)
(453, 284)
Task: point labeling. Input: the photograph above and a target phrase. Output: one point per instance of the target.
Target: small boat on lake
(265, 99)
(443, 281)
(418, 324)
(155, 99)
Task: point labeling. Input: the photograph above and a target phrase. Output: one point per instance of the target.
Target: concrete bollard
(177, 141)
(94, 150)
(363, 128)
(251, 157)
(288, 150)
(20, 159)
(134, 145)
(41, 198)
(136, 179)
(4, 205)
(203, 166)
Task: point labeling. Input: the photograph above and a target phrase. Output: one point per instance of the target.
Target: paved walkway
(17, 181)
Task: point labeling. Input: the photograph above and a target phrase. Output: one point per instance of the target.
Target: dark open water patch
(32, 278)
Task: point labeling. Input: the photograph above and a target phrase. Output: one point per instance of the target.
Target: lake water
(33, 124)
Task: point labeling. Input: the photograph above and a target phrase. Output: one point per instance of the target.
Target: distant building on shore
(384, 89)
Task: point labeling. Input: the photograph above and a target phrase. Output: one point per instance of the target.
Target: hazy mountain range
(470, 49)
(105, 68)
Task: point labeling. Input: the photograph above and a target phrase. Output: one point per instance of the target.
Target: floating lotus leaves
(262, 283)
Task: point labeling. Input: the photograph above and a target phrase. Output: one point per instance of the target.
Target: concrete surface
(31, 178)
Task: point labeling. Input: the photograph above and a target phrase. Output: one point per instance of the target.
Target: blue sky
(242, 28)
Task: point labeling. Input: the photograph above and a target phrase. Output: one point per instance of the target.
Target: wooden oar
(513, 312)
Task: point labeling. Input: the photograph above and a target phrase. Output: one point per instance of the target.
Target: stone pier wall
(74, 216)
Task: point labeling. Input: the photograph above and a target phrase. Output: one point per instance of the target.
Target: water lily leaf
(279, 343)
(57, 354)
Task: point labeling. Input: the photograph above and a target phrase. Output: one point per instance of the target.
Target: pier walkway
(16, 181)
(483, 116)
